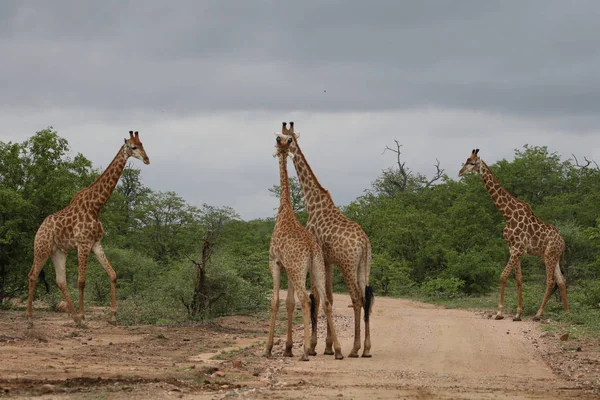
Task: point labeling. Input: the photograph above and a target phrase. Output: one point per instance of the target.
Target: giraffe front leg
(112, 276)
(276, 273)
(519, 278)
(290, 304)
(514, 257)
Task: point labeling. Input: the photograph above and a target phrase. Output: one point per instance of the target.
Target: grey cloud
(524, 58)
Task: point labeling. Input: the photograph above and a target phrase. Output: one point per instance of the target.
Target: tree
(38, 177)
(295, 194)
(213, 220)
(401, 179)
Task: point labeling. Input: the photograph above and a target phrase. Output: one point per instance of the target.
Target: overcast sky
(208, 82)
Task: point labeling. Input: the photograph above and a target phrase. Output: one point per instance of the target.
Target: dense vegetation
(439, 237)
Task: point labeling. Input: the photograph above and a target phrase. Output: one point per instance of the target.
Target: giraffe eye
(290, 140)
(278, 139)
(133, 147)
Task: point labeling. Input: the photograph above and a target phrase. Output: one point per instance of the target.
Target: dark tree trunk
(199, 302)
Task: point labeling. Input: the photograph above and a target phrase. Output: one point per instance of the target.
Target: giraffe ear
(131, 134)
(136, 133)
(125, 141)
(476, 151)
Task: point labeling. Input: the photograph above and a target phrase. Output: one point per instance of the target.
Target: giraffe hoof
(339, 356)
(304, 358)
(267, 354)
(366, 355)
(537, 318)
(517, 318)
(328, 352)
(353, 355)
(288, 353)
(312, 353)
(499, 316)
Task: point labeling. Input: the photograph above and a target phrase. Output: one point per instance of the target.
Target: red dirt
(419, 351)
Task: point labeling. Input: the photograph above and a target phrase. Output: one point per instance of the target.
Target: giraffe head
(472, 165)
(135, 148)
(284, 140)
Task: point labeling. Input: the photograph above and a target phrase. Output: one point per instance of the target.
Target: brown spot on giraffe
(344, 244)
(524, 233)
(297, 252)
(77, 227)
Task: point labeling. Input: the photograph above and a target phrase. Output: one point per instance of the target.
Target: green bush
(476, 269)
(443, 287)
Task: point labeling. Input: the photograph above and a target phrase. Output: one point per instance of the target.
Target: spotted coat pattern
(524, 233)
(77, 227)
(296, 251)
(343, 241)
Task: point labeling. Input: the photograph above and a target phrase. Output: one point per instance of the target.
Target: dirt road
(419, 351)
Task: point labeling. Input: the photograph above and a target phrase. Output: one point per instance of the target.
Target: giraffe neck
(316, 197)
(505, 202)
(98, 193)
(285, 204)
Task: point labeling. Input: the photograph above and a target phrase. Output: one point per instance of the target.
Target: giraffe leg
(59, 259)
(305, 299)
(329, 294)
(550, 265)
(290, 304)
(276, 273)
(83, 253)
(328, 309)
(38, 263)
(514, 257)
(112, 276)
(562, 285)
(519, 278)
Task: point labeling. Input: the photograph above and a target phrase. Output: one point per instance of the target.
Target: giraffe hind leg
(550, 263)
(59, 259)
(38, 263)
(562, 285)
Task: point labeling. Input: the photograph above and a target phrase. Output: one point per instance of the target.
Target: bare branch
(577, 162)
(404, 172)
(584, 167)
(439, 172)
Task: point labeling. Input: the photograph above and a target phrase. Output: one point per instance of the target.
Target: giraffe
(295, 250)
(77, 227)
(524, 233)
(344, 244)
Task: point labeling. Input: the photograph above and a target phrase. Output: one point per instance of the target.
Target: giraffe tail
(368, 295)
(313, 311)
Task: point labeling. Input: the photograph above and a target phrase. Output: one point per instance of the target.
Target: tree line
(434, 236)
